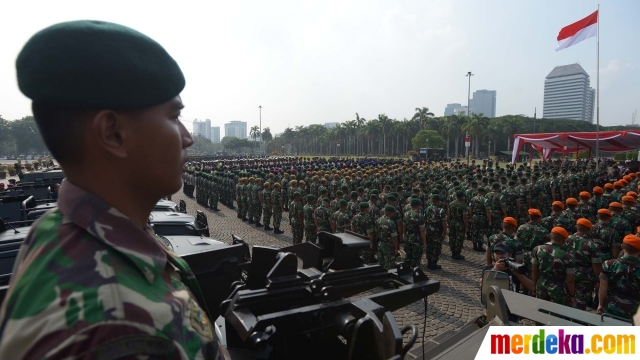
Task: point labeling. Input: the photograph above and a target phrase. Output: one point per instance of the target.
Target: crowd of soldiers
(575, 237)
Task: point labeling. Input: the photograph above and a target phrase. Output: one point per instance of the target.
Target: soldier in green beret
(340, 220)
(459, 220)
(364, 225)
(416, 234)
(387, 238)
(310, 230)
(106, 99)
(296, 218)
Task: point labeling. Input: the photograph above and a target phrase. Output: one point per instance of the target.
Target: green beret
(415, 202)
(297, 193)
(364, 205)
(389, 208)
(436, 197)
(96, 65)
(339, 193)
(375, 191)
(481, 189)
(495, 185)
(512, 182)
(326, 199)
(324, 191)
(310, 197)
(391, 198)
(354, 194)
(373, 196)
(343, 202)
(395, 194)
(460, 193)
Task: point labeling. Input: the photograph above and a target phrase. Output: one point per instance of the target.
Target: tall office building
(484, 102)
(236, 128)
(330, 125)
(451, 109)
(215, 134)
(568, 95)
(462, 110)
(202, 128)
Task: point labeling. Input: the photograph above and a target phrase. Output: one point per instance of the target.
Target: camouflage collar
(113, 228)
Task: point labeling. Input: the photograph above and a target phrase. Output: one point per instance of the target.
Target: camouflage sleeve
(370, 226)
(606, 270)
(615, 239)
(519, 253)
(534, 256)
(570, 263)
(594, 250)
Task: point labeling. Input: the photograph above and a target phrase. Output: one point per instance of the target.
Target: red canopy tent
(548, 143)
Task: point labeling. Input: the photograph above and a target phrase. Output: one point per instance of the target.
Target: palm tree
(254, 133)
(359, 124)
(509, 126)
(350, 128)
(422, 115)
(385, 124)
(266, 137)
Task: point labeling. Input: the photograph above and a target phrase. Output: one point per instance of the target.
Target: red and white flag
(578, 31)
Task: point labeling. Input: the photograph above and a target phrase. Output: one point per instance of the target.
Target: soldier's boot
(268, 228)
(458, 257)
(258, 224)
(251, 221)
(239, 216)
(216, 209)
(278, 231)
(244, 218)
(434, 266)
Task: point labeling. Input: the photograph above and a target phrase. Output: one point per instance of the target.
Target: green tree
(266, 137)
(427, 138)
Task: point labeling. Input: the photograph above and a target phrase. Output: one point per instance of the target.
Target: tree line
(392, 137)
(378, 136)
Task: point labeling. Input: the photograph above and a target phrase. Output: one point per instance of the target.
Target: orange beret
(598, 190)
(638, 229)
(616, 184)
(585, 194)
(571, 201)
(604, 212)
(633, 241)
(511, 221)
(624, 182)
(584, 222)
(632, 175)
(627, 177)
(630, 199)
(558, 204)
(535, 212)
(560, 231)
(632, 193)
(615, 204)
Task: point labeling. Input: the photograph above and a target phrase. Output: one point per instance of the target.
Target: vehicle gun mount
(295, 304)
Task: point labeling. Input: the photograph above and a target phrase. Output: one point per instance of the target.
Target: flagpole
(598, 93)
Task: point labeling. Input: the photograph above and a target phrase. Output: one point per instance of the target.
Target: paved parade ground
(457, 302)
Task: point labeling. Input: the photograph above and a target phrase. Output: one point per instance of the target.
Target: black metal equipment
(294, 304)
(202, 223)
(182, 207)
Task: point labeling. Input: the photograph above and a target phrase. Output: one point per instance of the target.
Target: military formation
(568, 231)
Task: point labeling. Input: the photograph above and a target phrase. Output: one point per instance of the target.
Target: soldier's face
(160, 143)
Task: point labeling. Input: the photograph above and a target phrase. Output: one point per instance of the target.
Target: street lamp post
(469, 75)
(260, 107)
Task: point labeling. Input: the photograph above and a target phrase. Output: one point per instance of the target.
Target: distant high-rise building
(330, 125)
(215, 134)
(462, 110)
(451, 108)
(202, 128)
(568, 95)
(484, 102)
(236, 128)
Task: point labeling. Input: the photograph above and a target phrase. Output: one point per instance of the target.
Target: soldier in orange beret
(588, 263)
(554, 279)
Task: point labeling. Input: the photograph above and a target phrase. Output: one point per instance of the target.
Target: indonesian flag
(578, 31)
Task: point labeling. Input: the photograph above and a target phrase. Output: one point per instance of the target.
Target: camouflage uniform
(529, 236)
(494, 204)
(341, 219)
(215, 192)
(284, 186)
(102, 282)
(509, 239)
(267, 206)
(607, 238)
(433, 217)
(310, 234)
(297, 227)
(276, 197)
(554, 263)
(585, 253)
(549, 222)
(623, 276)
(414, 222)
(387, 230)
(322, 214)
(364, 225)
(457, 235)
(567, 220)
(478, 224)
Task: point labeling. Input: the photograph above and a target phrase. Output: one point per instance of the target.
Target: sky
(313, 62)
